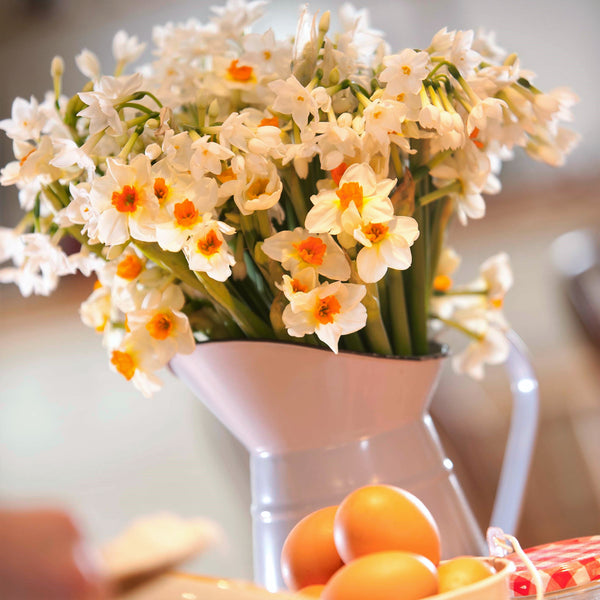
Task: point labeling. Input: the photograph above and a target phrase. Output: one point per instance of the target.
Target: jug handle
(521, 437)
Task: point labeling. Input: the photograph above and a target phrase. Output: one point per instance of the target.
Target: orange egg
(461, 571)
(377, 518)
(384, 576)
(309, 556)
(313, 591)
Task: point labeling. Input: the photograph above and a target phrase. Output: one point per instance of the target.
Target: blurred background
(73, 433)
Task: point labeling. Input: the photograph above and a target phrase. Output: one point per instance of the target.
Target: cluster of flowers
(242, 185)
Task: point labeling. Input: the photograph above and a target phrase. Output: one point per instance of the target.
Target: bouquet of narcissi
(245, 186)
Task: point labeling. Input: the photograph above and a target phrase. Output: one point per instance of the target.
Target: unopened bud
(152, 123)
(334, 76)
(57, 67)
(213, 109)
(511, 59)
(325, 22)
(153, 151)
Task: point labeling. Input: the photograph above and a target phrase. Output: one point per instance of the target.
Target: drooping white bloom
(108, 93)
(237, 15)
(385, 245)
(208, 252)
(329, 310)
(471, 168)
(489, 109)
(69, 155)
(497, 275)
(302, 282)
(298, 250)
(491, 349)
(358, 186)
(125, 201)
(405, 72)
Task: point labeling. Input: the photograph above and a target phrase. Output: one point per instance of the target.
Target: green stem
(221, 293)
(399, 313)
(375, 329)
(455, 186)
(459, 327)
(135, 105)
(295, 194)
(352, 341)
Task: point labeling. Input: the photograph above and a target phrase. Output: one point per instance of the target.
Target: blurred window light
(574, 252)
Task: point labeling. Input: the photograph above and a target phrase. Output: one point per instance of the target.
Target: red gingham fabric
(561, 565)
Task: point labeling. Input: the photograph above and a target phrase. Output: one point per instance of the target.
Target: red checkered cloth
(562, 565)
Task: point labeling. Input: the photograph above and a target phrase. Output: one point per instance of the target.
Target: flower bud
(57, 67)
(325, 22)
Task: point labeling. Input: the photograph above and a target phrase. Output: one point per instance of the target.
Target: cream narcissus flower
(330, 310)
(125, 201)
(492, 348)
(359, 187)
(302, 282)
(385, 245)
(259, 186)
(162, 318)
(136, 360)
(498, 277)
(181, 216)
(292, 98)
(405, 72)
(298, 250)
(207, 251)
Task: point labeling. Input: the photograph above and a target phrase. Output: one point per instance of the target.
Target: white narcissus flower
(26, 122)
(489, 109)
(292, 98)
(302, 282)
(298, 250)
(384, 118)
(491, 349)
(162, 318)
(448, 262)
(96, 310)
(404, 72)
(125, 201)
(185, 214)
(136, 360)
(358, 186)
(208, 252)
(259, 185)
(266, 53)
(207, 157)
(471, 168)
(126, 48)
(108, 93)
(336, 142)
(385, 245)
(330, 310)
(89, 65)
(69, 155)
(498, 277)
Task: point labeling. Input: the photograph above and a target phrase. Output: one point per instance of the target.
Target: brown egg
(378, 518)
(384, 576)
(312, 591)
(309, 556)
(463, 570)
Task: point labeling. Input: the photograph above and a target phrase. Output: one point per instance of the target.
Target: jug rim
(437, 350)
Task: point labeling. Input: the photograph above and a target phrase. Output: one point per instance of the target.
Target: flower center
(473, 136)
(273, 122)
(226, 175)
(442, 283)
(400, 97)
(336, 174)
(210, 244)
(350, 192)
(406, 70)
(239, 73)
(326, 309)
(22, 161)
(267, 54)
(257, 188)
(161, 189)
(311, 250)
(130, 267)
(127, 200)
(160, 326)
(124, 363)
(375, 232)
(297, 286)
(185, 213)
(497, 302)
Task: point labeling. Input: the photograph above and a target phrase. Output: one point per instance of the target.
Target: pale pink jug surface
(319, 425)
